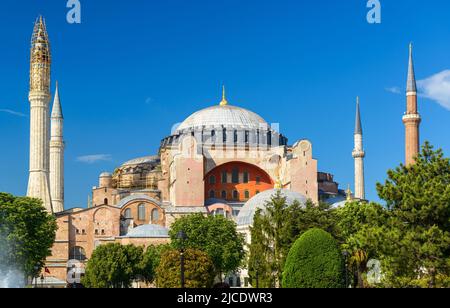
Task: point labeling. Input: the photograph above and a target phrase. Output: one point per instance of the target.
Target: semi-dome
(148, 231)
(224, 115)
(248, 211)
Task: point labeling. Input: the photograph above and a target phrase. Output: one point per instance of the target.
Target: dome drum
(229, 136)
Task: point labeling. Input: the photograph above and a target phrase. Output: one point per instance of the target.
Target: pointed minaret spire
(224, 101)
(358, 126)
(358, 155)
(57, 146)
(411, 85)
(57, 110)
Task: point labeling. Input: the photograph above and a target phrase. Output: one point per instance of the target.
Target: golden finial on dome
(349, 193)
(278, 184)
(224, 101)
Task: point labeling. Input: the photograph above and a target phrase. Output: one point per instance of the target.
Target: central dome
(228, 116)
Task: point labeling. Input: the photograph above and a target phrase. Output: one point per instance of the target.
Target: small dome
(105, 175)
(227, 115)
(143, 160)
(148, 231)
(338, 205)
(246, 215)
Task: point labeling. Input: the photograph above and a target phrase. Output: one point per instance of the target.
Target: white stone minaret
(39, 97)
(57, 155)
(358, 155)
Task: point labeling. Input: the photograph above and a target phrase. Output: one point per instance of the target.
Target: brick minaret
(39, 97)
(412, 118)
(57, 155)
(358, 155)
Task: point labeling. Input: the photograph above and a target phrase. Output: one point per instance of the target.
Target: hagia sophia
(222, 160)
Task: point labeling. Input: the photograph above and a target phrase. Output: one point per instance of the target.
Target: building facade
(222, 160)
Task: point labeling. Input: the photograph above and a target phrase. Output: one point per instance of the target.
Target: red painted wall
(252, 186)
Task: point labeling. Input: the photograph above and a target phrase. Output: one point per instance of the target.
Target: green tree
(260, 268)
(275, 230)
(416, 248)
(113, 266)
(215, 235)
(199, 270)
(314, 261)
(361, 227)
(27, 233)
(151, 260)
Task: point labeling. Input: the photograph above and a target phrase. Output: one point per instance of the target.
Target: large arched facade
(236, 182)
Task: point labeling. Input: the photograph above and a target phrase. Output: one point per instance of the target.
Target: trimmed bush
(314, 261)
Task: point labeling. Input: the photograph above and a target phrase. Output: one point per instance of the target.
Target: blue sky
(133, 69)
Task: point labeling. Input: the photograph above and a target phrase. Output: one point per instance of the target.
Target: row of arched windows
(236, 136)
(142, 213)
(234, 177)
(236, 195)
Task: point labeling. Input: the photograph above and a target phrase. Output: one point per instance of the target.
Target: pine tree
(416, 247)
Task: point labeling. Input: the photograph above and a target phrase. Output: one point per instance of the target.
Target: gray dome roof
(246, 215)
(148, 231)
(105, 175)
(143, 160)
(224, 116)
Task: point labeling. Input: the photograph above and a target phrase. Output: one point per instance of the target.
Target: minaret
(57, 155)
(358, 155)
(39, 97)
(412, 118)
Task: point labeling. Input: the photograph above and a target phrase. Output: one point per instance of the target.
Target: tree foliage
(214, 235)
(275, 230)
(416, 246)
(113, 266)
(360, 226)
(27, 233)
(151, 260)
(199, 270)
(314, 261)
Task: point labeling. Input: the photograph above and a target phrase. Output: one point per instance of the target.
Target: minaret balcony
(359, 154)
(412, 118)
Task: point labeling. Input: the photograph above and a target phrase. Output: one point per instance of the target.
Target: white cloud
(14, 113)
(437, 88)
(92, 159)
(395, 90)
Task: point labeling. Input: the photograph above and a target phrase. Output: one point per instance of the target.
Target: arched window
(77, 253)
(235, 176)
(213, 136)
(128, 214)
(247, 194)
(235, 195)
(269, 138)
(224, 194)
(105, 202)
(235, 136)
(212, 180)
(224, 135)
(155, 216)
(247, 137)
(224, 177)
(246, 177)
(212, 194)
(141, 212)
